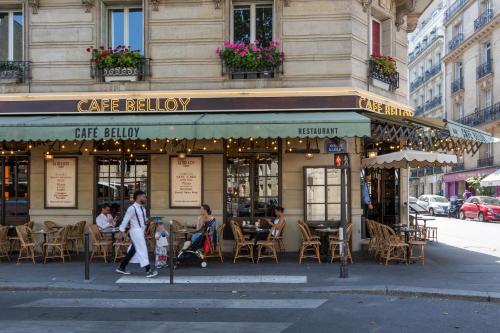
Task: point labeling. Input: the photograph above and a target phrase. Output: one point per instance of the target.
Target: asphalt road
(123, 312)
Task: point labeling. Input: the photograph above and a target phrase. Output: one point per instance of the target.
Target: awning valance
(184, 126)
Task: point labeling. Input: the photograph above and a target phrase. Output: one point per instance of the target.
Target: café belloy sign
(383, 107)
(157, 104)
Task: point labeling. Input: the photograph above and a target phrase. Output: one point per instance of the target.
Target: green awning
(461, 131)
(184, 126)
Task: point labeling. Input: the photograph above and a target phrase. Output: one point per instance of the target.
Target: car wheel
(481, 217)
(431, 211)
(462, 215)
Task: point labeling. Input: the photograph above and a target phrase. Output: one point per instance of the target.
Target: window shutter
(375, 37)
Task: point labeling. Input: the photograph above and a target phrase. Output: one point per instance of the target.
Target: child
(161, 236)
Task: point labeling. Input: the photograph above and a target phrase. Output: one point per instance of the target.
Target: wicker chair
(4, 242)
(280, 239)
(309, 248)
(50, 228)
(217, 253)
(121, 246)
(268, 244)
(57, 247)
(335, 244)
(150, 236)
(308, 230)
(75, 238)
(100, 246)
(27, 245)
(241, 245)
(395, 248)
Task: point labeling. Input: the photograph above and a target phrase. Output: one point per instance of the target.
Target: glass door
(14, 201)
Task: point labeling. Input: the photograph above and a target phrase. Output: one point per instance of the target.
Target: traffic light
(341, 160)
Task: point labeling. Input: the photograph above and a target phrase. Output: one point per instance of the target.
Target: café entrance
(14, 201)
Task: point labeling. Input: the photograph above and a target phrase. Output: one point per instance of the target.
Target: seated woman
(279, 221)
(206, 223)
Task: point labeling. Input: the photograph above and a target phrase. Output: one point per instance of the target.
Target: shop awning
(492, 179)
(184, 126)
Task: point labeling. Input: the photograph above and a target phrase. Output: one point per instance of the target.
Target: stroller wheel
(203, 264)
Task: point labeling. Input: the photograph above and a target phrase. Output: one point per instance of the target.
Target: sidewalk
(448, 272)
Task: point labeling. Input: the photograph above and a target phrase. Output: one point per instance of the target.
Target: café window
(323, 199)
(11, 35)
(126, 27)
(14, 201)
(251, 22)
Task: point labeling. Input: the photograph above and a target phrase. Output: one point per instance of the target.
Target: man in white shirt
(138, 250)
(105, 219)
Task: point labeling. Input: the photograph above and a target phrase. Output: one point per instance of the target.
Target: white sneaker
(151, 274)
(122, 271)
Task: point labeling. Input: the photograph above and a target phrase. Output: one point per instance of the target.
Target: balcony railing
(433, 71)
(483, 116)
(375, 72)
(417, 83)
(484, 69)
(430, 104)
(259, 73)
(457, 85)
(419, 110)
(14, 71)
(457, 166)
(455, 42)
(484, 162)
(122, 74)
(483, 19)
(413, 174)
(421, 47)
(455, 7)
(433, 171)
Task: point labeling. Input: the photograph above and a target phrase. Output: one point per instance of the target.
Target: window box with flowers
(383, 71)
(118, 65)
(251, 61)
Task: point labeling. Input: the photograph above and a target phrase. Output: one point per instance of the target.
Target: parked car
(482, 208)
(412, 200)
(435, 204)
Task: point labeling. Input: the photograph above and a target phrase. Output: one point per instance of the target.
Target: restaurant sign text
(384, 108)
(91, 133)
(156, 104)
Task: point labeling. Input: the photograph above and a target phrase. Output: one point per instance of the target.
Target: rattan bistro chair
(395, 248)
(335, 243)
(27, 245)
(4, 242)
(269, 245)
(121, 246)
(100, 246)
(243, 247)
(57, 247)
(217, 252)
(309, 248)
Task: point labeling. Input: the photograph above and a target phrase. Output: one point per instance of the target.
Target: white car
(435, 204)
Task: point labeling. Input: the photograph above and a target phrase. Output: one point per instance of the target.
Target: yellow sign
(168, 104)
(384, 108)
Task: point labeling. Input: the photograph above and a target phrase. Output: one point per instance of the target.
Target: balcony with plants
(483, 19)
(383, 72)
(14, 71)
(120, 64)
(251, 61)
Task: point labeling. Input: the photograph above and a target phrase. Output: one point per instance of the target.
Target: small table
(186, 232)
(425, 219)
(324, 235)
(110, 231)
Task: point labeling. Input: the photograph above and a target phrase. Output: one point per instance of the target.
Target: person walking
(137, 251)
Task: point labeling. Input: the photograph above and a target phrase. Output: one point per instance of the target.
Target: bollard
(171, 251)
(87, 256)
(343, 259)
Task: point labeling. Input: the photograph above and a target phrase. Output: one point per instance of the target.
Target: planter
(380, 84)
(121, 74)
(10, 76)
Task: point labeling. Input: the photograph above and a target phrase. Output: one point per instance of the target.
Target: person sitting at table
(206, 223)
(279, 221)
(105, 219)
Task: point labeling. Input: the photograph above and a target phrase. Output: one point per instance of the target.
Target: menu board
(61, 182)
(186, 182)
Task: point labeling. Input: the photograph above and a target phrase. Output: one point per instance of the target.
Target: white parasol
(492, 179)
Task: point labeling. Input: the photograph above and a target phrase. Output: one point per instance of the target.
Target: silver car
(435, 204)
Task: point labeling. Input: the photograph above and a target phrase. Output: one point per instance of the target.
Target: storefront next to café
(241, 152)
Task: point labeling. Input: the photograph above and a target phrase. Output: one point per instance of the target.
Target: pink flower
(217, 51)
(88, 49)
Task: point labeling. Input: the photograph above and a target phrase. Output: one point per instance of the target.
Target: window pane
(117, 26)
(264, 24)
(315, 194)
(18, 36)
(4, 36)
(333, 193)
(333, 212)
(315, 176)
(333, 176)
(241, 21)
(316, 212)
(135, 29)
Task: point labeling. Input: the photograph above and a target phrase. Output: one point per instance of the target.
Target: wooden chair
(150, 236)
(373, 237)
(57, 247)
(241, 245)
(432, 234)
(268, 244)
(308, 230)
(395, 248)
(217, 253)
(100, 246)
(280, 238)
(308, 245)
(50, 229)
(27, 245)
(75, 238)
(380, 241)
(335, 244)
(4, 242)
(419, 254)
(121, 247)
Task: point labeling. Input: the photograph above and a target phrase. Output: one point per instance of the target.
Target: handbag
(207, 245)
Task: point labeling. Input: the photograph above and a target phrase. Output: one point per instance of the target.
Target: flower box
(121, 74)
(383, 72)
(117, 65)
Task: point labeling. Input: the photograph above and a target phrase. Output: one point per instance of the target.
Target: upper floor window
(376, 37)
(488, 98)
(457, 29)
(251, 22)
(484, 5)
(126, 27)
(486, 52)
(11, 36)
(458, 70)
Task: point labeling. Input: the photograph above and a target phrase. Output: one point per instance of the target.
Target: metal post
(87, 256)
(171, 251)
(343, 217)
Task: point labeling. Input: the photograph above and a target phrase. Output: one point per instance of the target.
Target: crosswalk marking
(207, 303)
(64, 326)
(222, 279)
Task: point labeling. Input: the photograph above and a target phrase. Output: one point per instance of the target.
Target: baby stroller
(192, 251)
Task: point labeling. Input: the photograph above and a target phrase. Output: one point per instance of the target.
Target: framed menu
(61, 182)
(186, 182)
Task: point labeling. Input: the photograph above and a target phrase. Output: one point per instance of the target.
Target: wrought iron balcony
(375, 72)
(483, 116)
(483, 19)
(455, 7)
(455, 42)
(14, 71)
(421, 47)
(432, 103)
(457, 85)
(457, 166)
(417, 83)
(259, 73)
(419, 110)
(122, 74)
(413, 173)
(433, 71)
(484, 69)
(484, 162)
